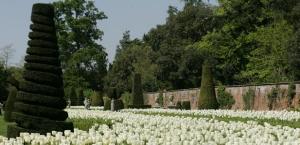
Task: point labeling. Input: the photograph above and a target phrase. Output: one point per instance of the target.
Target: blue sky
(138, 16)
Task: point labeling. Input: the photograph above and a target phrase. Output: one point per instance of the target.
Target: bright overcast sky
(137, 16)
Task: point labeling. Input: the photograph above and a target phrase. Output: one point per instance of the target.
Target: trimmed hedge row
(41, 111)
(42, 59)
(43, 78)
(42, 28)
(32, 87)
(42, 125)
(43, 67)
(36, 18)
(42, 9)
(42, 52)
(42, 100)
(42, 36)
(42, 44)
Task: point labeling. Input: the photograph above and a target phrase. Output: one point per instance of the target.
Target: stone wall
(260, 100)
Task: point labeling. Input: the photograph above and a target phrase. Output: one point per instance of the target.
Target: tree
(6, 54)
(84, 60)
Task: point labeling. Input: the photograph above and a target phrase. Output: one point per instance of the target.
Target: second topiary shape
(39, 102)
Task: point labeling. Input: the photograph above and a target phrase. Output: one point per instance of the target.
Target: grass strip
(86, 124)
(2, 126)
(273, 122)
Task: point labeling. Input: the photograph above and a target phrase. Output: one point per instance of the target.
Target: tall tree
(83, 59)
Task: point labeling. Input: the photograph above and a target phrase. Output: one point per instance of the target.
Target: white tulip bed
(131, 127)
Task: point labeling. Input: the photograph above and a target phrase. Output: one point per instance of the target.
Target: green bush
(9, 106)
(273, 96)
(118, 104)
(248, 98)
(291, 93)
(224, 98)
(161, 98)
(43, 83)
(80, 97)
(126, 98)
(96, 99)
(186, 105)
(137, 91)
(73, 96)
(207, 98)
(107, 103)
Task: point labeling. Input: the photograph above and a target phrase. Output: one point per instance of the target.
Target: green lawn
(2, 126)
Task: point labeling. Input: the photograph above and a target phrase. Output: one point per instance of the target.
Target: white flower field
(172, 127)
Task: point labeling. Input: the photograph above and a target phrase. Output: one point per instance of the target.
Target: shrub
(186, 105)
(96, 99)
(291, 93)
(41, 79)
(224, 98)
(80, 97)
(139, 106)
(161, 98)
(248, 98)
(73, 96)
(126, 98)
(118, 104)
(207, 98)
(107, 103)
(275, 93)
(9, 106)
(137, 92)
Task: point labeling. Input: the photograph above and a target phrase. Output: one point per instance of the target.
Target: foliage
(107, 103)
(87, 93)
(126, 98)
(291, 93)
(207, 98)
(9, 105)
(186, 105)
(2, 126)
(224, 98)
(80, 96)
(248, 98)
(86, 124)
(97, 99)
(161, 98)
(276, 93)
(137, 91)
(73, 96)
(83, 58)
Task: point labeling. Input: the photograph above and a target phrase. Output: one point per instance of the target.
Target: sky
(137, 16)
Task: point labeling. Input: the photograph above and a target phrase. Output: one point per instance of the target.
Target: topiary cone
(137, 91)
(207, 98)
(39, 102)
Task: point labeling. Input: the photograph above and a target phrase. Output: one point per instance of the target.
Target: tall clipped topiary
(73, 96)
(137, 91)
(80, 97)
(39, 106)
(207, 98)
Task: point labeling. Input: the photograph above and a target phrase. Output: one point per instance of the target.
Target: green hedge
(9, 105)
(40, 19)
(207, 98)
(42, 59)
(42, 111)
(42, 52)
(43, 9)
(42, 36)
(42, 100)
(43, 78)
(42, 28)
(43, 44)
(137, 91)
(43, 67)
